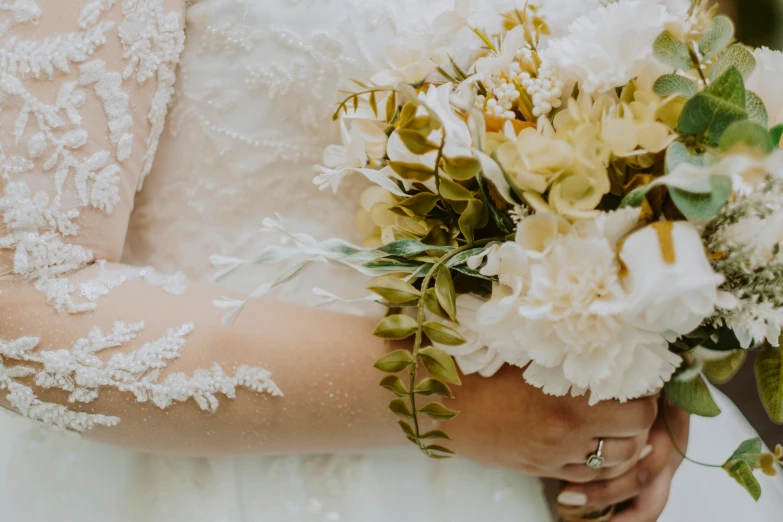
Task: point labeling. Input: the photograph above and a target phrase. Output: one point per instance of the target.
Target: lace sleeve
(124, 354)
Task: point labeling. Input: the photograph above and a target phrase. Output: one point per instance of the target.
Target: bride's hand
(510, 424)
(648, 483)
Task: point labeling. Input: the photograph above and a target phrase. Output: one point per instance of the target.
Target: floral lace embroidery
(110, 278)
(82, 373)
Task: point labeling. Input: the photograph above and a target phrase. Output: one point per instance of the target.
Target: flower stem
(677, 444)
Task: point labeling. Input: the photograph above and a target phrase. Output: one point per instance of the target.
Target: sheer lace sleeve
(123, 354)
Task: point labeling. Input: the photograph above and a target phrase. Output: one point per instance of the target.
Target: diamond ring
(596, 460)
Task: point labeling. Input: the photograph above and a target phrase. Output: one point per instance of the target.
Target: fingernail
(646, 452)
(572, 498)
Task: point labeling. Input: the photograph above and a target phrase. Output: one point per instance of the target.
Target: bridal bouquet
(593, 192)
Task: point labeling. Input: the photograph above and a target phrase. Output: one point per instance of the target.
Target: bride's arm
(125, 355)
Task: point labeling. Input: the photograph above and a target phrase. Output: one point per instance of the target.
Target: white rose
(670, 283)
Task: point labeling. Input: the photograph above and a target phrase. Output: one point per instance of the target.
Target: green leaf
(693, 396)
(435, 434)
(723, 370)
(757, 112)
(671, 51)
(400, 408)
(374, 103)
(452, 191)
(743, 474)
(635, 198)
(436, 447)
(729, 87)
(769, 379)
(396, 327)
(408, 114)
(709, 116)
(431, 386)
(676, 153)
(717, 38)
(394, 362)
(443, 334)
(433, 306)
(419, 205)
(410, 247)
(700, 207)
(439, 364)
(462, 168)
(777, 133)
(444, 291)
(416, 142)
(393, 289)
(412, 171)
(395, 384)
(499, 217)
(438, 411)
(391, 107)
(735, 56)
(748, 452)
(747, 135)
(671, 84)
(471, 219)
(407, 429)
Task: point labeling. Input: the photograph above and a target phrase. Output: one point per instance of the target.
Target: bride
(108, 332)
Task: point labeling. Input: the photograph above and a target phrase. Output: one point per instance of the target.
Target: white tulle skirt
(50, 476)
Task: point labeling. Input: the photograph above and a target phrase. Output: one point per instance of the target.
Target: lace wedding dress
(107, 311)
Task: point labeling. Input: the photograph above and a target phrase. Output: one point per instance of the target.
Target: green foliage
(462, 168)
(741, 464)
(735, 56)
(708, 114)
(723, 370)
(435, 434)
(430, 386)
(674, 84)
(777, 133)
(693, 397)
(395, 384)
(419, 204)
(671, 51)
(720, 34)
(452, 191)
(676, 153)
(396, 327)
(411, 171)
(445, 293)
(394, 289)
(475, 216)
(757, 111)
(440, 365)
(769, 379)
(416, 142)
(443, 334)
(438, 411)
(400, 408)
(748, 136)
(394, 362)
(700, 206)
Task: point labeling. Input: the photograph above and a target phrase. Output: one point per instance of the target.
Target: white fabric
(250, 118)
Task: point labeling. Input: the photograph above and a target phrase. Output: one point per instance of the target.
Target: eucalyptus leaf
(396, 327)
(735, 56)
(757, 111)
(676, 153)
(438, 411)
(748, 136)
(729, 87)
(400, 408)
(445, 292)
(440, 365)
(394, 362)
(717, 38)
(701, 207)
(743, 474)
(395, 384)
(416, 142)
(430, 386)
(777, 133)
(693, 397)
(635, 198)
(462, 168)
(769, 379)
(723, 370)
(394, 289)
(711, 112)
(674, 84)
(672, 51)
(443, 334)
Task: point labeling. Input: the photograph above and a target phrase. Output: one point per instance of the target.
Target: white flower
(559, 14)
(408, 60)
(610, 46)
(558, 310)
(671, 285)
(474, 356)
(339, 160)
(765, 81)
(458, 139)
(500, 62)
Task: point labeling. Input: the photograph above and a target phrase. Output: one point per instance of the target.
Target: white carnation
(765, 81)
(558, 310)
(610, 46)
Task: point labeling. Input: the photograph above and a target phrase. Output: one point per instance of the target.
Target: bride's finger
(649, 506)
(615, 452)
(581, 474)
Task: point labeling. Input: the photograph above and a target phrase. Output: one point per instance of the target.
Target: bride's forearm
(320, 361)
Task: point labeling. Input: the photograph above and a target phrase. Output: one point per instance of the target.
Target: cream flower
(610, 46)
(458, 139)
(559, 14)
(339, 160)
(765, 81)
(408, 61)
(557, 310)
(671, 285)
